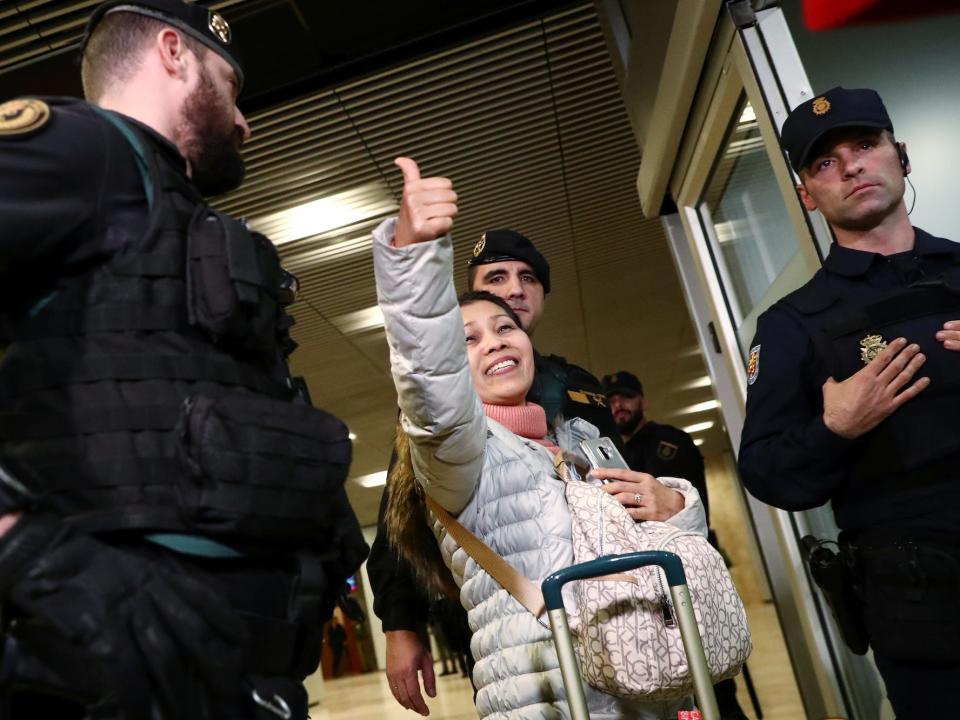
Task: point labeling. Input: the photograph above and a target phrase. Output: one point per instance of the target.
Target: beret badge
(219, 27)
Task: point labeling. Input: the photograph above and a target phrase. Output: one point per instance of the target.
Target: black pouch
(260, 468)
(234, 282)
(834, 576)
(910, 602)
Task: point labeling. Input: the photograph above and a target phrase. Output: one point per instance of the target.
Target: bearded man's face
(211, 137)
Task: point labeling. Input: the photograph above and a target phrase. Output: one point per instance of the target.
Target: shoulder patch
(23, 116)
(666, 450)
(587, 397)
(753, 365)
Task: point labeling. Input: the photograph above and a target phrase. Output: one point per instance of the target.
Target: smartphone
(602, 453)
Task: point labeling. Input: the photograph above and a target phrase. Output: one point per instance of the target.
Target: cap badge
(219, 27)
(821, 106)
(613, 379)
(481, 244)
(870, 347)
(753, 365)
(18, 117)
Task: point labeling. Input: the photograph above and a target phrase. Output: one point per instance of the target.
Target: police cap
(622, 383)
(836, 108)
(198, 22)
(503, 245)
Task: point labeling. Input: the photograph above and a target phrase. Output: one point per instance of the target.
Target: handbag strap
(520, 587)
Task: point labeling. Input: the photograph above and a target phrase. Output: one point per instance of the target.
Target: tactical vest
(918, 446)
(150, 391)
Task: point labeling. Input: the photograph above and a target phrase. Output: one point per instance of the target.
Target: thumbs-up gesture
(428, 207)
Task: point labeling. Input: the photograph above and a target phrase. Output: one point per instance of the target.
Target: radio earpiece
(904, 160)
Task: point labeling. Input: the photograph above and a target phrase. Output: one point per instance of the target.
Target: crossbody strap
(522, 589)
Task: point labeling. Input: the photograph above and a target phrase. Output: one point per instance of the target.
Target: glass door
(742, 240)
(751, 240)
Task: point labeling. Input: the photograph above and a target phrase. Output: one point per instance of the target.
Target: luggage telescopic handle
(683, 606)
(611, 565)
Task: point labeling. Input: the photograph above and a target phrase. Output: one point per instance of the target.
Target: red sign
(827, 14)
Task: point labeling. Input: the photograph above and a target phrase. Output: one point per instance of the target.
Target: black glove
(165, 641)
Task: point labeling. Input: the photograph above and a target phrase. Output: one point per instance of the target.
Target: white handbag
(628, 640)
(626, 635)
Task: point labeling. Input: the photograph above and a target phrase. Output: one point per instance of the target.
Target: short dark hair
(474, 296)
(114, 51)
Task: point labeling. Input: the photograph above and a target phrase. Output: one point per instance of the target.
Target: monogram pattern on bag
(624, 644)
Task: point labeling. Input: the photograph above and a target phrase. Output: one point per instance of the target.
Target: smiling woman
(470, 441)
(499, 351)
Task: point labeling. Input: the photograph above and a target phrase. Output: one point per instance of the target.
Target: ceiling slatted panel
(530, 126)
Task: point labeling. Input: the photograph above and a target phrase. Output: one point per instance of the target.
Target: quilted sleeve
(441, 411)
(692, 518)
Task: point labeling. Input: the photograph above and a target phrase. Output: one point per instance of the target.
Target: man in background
(662, 451)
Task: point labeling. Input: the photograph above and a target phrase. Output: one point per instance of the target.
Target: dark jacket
(666, 451)
(904, 471)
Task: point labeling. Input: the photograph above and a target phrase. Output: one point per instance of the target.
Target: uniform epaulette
(22, 117)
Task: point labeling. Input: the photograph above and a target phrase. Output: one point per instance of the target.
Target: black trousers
(911, 611)
(919, 692)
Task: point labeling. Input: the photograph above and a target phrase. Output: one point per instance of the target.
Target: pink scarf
(528, 421)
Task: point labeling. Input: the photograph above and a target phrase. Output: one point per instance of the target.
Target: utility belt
(899, 595)
(280, 600)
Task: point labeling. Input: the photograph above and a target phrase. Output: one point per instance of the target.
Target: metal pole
(696, 659)
(569, 666)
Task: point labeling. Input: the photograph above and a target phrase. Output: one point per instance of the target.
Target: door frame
(760, 61)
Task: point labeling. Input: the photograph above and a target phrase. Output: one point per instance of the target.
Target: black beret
(502, 245)
(198, 22)
(836, 108)
(621, 383)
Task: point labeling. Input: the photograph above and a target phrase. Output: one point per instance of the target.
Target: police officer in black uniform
(507, 264)
(648, 446)
(853, 390)
(173, 525)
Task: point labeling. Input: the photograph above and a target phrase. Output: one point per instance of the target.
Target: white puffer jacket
(502, 487)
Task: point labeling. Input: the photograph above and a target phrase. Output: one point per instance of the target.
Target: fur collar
(408, 529)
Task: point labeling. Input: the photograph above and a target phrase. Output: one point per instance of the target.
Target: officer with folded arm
(173, 525)
(853, 390)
